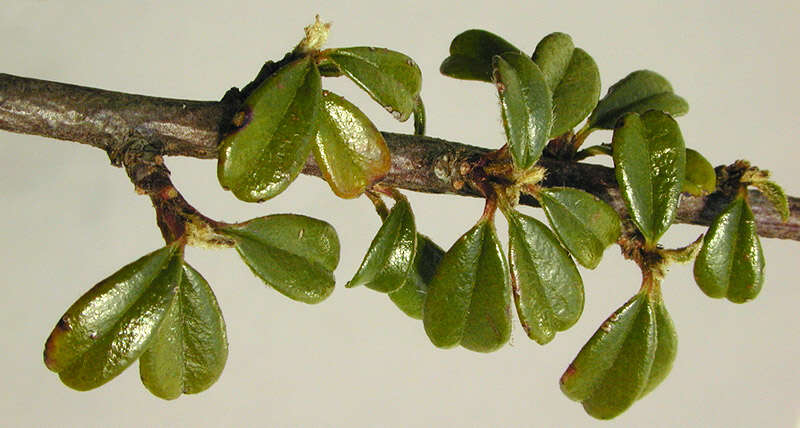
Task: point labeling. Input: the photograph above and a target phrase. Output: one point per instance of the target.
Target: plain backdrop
(69, 219)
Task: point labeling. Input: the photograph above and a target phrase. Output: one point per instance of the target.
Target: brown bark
(118, 122)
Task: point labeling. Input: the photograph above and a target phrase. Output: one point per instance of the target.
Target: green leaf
(390, 256)
(410, 297)
(700, 177)
(390, 78)
(776, 196)
(597, 150)
(613, 369)
(350, 151)
(293, 254)
(548, 290)
(638, 92)
(649, 163)
(573, 78)
(666, 347)
(190, 347)
(266, 153)
(731, 262)
(468, 299)
(419, 117)
(110, 326)
(471, 55)
(585, 224)
(525, 104)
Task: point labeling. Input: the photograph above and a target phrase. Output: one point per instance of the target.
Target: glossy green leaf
(731, 263)
(350, 151)
(638, 92)
(613, 369)
(700, 178)
(573, 78)
(293, 254)
(548, 290)
(190, 347)
(471, 55)
(110, 326)
(390, 256)
(649, 163)
(526, 106)
(666, 347)
(410, 297)
(390, 78)
(266, 153)
(468, 299)
(776, 196)
(585, 224)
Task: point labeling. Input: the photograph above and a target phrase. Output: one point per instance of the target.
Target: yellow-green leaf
(468, 299)
(700, 177)
(390, 256)
(293, 254)
(548, 290)
(390, 78)
(649, 163)
(573, 78)
(638, 92)
(189, 350)
(350, 151)
(410, 297)
(731, 263)
(110, 326)
(525, 104)
(776, 196)
(471, 55)
(585, 224)
(266, 152)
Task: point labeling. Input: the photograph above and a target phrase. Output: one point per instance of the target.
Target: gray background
(69, 219)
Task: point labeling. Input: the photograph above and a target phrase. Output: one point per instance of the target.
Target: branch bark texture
(114, 122)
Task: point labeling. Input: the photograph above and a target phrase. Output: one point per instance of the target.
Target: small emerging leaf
(471, 55)
(649, 163)
(410, 298)
(110, 326)
(526, 106)
(469, 296)
(390, 256)
(585, 224)
(266, 153)
(573, 78)
(350, 152)
(776, 196)
(598, 150)
(293, 254)
(190, 347)
(700, 177)
(419, 117)
(392, 79)
(731, 263)
(548, 290)
(613, 369)
(638, 92)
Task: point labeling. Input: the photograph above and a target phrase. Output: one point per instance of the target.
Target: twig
(112, 120)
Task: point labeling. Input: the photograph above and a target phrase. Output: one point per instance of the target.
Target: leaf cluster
(161, 311)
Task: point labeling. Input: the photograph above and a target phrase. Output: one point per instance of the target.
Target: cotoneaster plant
(160, 311)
